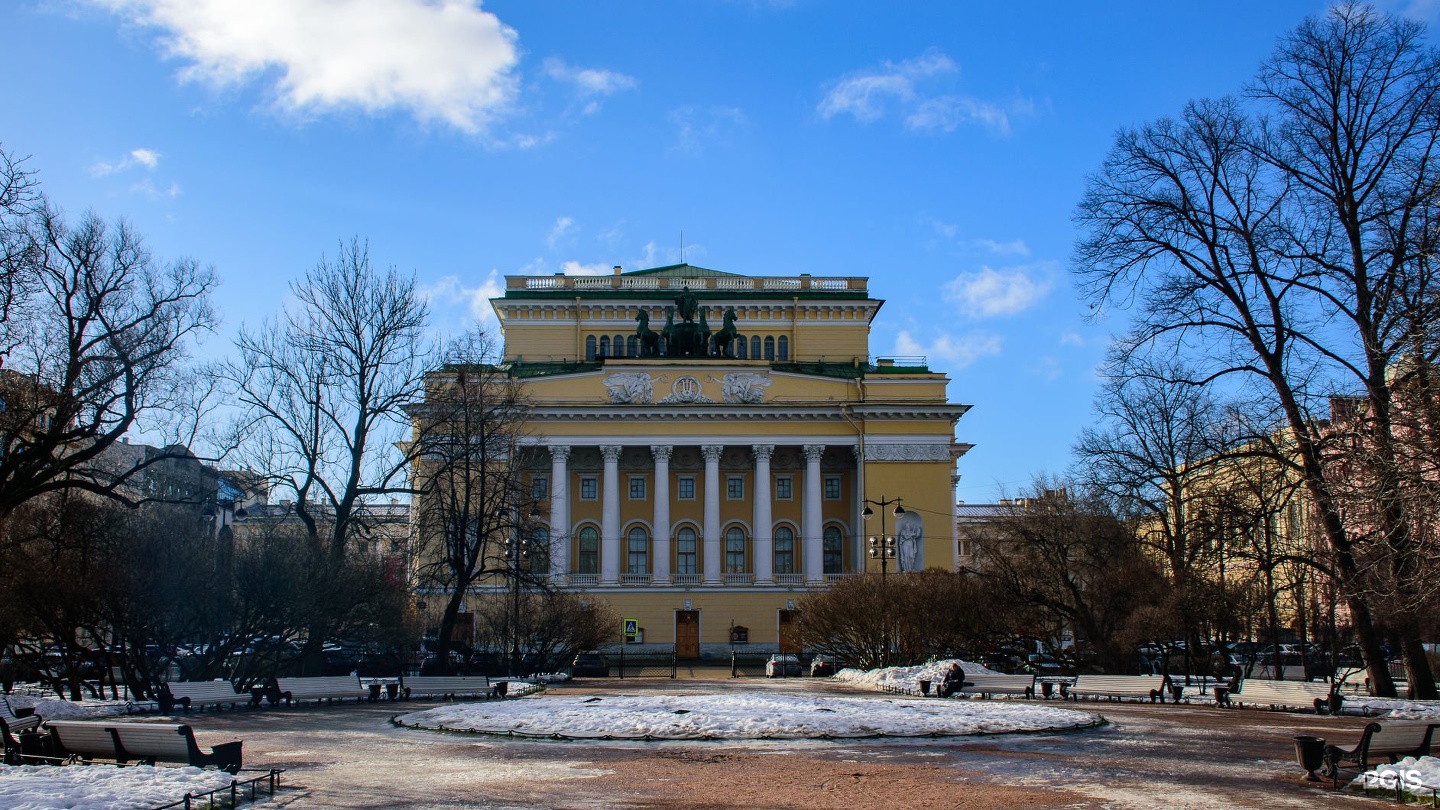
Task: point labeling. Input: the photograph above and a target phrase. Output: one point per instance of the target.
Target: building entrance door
(786, 637)
(687, 634)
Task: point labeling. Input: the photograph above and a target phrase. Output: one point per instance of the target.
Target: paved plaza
(1146, 756)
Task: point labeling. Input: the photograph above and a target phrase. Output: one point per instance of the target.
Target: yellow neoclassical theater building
(713, 440)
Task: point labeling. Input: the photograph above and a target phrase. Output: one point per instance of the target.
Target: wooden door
(687, 634)
(786, 637)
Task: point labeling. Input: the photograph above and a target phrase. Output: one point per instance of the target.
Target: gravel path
(1148, 756)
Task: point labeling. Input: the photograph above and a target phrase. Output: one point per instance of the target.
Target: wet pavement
(352, 756)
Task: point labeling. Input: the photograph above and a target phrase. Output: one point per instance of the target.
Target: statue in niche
(909, 532)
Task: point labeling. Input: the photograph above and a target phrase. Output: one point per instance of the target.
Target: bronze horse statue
(649, 339)
(727, 335)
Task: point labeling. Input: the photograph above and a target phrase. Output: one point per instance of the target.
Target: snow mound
(1417, 776)
(1392, 708)
(743, 716)
(56, 709)
(907, 679)
(101, 787)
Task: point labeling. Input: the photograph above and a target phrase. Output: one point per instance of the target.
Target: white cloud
(439, 60)
(155, 192)
(148, 158)
(450, 291)
(563, 227)
(988, 292)
(869, 95)
(959, 352)
(1015, 247)
(1071, 338)
(574, 268)
(589, 83)
(866, 95)
(698, 127)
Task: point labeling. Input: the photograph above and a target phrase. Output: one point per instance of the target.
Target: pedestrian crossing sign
(632, 629)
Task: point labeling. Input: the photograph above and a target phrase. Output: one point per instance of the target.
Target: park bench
(1117, 687)
(147, 743)
(987, 685)
(449, 687)
(1392, 739)
(199, 694)
(338, 687)
(1282, 694)
(12, 725)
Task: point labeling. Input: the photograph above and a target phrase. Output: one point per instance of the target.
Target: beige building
(700, 476)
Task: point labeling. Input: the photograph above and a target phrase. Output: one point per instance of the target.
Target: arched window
(632, 346)
(588, 560)
(590, 348)
(769, 347)
(637, 551)
(619, 345)
(755, 347)
(686, 560)
(735, 551)
(604, 345)
(782, 351)
(784, 550)
(830, 542)
(741, 344)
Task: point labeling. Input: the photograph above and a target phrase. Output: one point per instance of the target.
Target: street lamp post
(516, 551)
(882, 548)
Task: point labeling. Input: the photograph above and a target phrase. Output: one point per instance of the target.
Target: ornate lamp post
(883, 549)
(517, 552)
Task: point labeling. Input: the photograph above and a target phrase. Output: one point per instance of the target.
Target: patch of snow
(1391, 708)
(1417, 776)
(101, 787)
(907, 679)
(52, 708)
(744, 716)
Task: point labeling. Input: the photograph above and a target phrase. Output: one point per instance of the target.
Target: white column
(811, 515)
(764, 531)
(712, 512)
(660, 568)
(559, 512)
(610, 517)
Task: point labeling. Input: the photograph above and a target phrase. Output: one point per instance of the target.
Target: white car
(782, 665)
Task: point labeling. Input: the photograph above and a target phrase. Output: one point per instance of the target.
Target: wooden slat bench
(448, 687)
(1392, 739)
(147, 743)
(337, 687)
(1282, 694)
(199, 694)
(987, 685)
(12, 726)
(1117, 687)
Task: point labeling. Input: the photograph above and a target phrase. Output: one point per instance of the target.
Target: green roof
(681, 271)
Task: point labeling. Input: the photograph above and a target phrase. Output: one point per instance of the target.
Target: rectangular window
(784, 489)
(637, 553)
(735, 488)
(587, 489)
(967, 548)
(637, 488)
(832, 487)
(539, 488)
(685, 488)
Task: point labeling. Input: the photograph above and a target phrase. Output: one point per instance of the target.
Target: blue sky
(937, 148)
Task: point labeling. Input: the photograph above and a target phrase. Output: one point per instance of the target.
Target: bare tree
(94, 340)
(470, 507)
(1272, 246)
(322, 392)
(1069, 562)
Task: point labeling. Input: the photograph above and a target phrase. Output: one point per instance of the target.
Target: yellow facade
(710, 489)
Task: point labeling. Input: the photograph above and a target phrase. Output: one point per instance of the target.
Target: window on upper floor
(637, 487)
(784, 550)
(685, 488)
(832, 487)
(587, 488)
(784, 488)
(735, 488)
(782, 348)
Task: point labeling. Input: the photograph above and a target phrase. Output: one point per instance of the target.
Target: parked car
(823, 666)
(782, 665)
(590, 665)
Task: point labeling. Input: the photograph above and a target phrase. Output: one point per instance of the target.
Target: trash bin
(925, 688)
(1310, 753)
